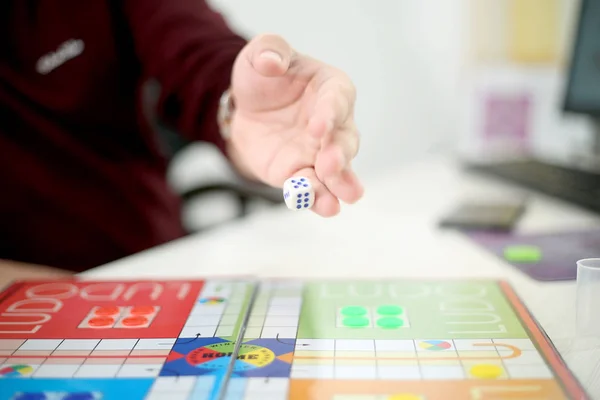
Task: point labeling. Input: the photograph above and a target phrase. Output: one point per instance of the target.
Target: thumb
(269, 55)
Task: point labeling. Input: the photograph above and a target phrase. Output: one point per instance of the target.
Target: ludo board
(270, 340)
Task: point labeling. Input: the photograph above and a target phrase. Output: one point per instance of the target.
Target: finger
(270, 55)
(326, 204)
(334, 105)
(337, 153)
(345, 186)
(333, 166)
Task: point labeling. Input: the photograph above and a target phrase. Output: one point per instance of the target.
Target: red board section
(56, 309)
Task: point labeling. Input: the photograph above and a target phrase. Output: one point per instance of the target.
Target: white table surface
(391, 233)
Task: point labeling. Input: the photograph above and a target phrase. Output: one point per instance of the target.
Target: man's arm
(190, 50)
(12, 270)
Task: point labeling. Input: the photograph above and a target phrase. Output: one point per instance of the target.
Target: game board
(269, 340)
(558, 252)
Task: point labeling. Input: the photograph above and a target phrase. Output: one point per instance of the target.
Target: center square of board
(210, 356)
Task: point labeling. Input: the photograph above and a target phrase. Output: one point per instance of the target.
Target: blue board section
(220, 382)
(236, 388)
(74, 389)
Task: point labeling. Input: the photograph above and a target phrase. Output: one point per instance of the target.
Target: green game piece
(389, 310)
(353, 311)
(389, 322)
(355, 322)
(522, 254)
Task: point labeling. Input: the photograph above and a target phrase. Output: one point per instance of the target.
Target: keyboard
(579, 187)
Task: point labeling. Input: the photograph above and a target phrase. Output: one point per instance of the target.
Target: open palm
(294, 116)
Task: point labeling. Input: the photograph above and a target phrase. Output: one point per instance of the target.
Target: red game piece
(107, 311)
(99, 322)
(134, 321)
(142, 310)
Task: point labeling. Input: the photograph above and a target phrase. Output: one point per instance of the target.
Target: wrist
(225, 117)
(225, 114)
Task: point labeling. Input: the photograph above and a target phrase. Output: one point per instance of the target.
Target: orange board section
(429, 390)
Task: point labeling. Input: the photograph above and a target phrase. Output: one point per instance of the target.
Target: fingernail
(271, 55)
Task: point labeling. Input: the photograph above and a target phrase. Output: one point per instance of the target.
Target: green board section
(428, 310)
(237, 308)
(266, 292)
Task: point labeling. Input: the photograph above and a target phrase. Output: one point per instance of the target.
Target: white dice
(298, 193)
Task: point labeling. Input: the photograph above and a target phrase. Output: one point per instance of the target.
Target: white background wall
(403, 55)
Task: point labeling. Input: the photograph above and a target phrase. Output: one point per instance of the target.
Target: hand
(295, 116)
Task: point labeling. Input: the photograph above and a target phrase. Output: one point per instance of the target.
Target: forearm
(190, 50)
(12, 270)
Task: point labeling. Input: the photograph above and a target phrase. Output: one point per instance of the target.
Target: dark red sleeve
(190, 50)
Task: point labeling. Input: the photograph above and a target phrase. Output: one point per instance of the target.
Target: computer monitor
(582, 92)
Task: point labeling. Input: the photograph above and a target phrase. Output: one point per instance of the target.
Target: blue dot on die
(302, 179)
(299, 201)
(299, 195)
(298, 206)
(293, 181)
(305, 185)
(305, 194)
(296, 187)
(305, 205)
(305, 199)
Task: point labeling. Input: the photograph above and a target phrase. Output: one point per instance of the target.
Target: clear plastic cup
(588, 297)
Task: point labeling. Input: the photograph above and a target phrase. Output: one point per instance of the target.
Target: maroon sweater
(82, 175)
